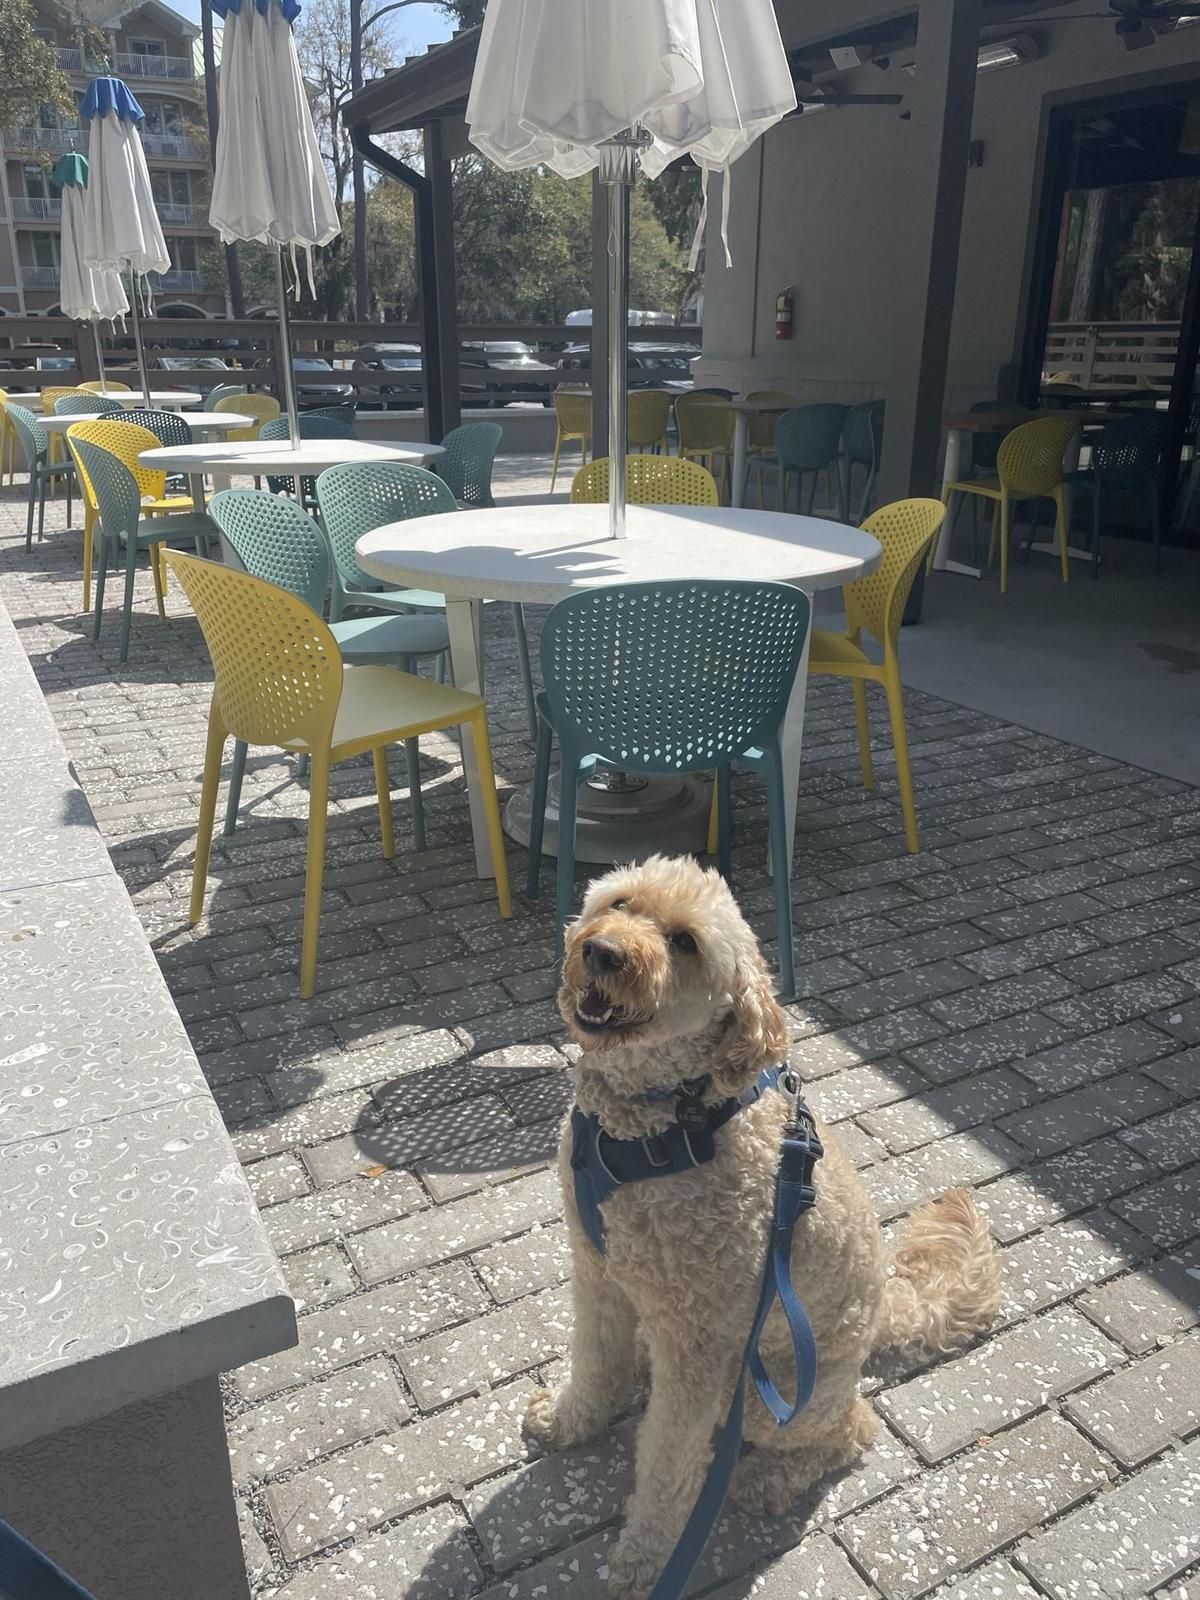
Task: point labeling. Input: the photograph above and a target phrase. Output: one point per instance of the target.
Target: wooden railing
(1112, 355)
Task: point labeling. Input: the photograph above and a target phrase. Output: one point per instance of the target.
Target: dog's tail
(946, 1286)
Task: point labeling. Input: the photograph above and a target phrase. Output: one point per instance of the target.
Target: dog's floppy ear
(756, 1031)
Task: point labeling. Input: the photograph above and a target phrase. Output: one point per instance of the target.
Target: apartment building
(156, 51)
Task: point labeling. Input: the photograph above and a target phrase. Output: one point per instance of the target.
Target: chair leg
(127, 602)
(89, 517)
(908, 805)
(812, 491)
(1004, 533)
(491, 805)
(213, 752)
(412, 761)
(236, 773)
(557, 451)
(522, 637)
(714, 817)
(101, 577)
(724, 790)
(383, 793)
(537, 814)
(1156, 525)
(156, 573)
(314, 871)
(777, 827)
(1095, 531)
(862, 716)
(29, 515)
(1060, 522)
(441, 666)
(568, 805)
(41, 510)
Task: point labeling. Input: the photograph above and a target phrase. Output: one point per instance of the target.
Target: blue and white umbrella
(121, 226)
(270, 182)
(87, 294)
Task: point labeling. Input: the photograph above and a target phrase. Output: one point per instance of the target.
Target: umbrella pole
(99, 357)
(288, 375)
(617, 164)
(137, 338)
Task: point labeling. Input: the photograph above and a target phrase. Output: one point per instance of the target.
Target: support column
(441, 221)
(599, 318)
(924, 265)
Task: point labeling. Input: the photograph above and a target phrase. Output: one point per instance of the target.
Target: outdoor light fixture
(1007, 53)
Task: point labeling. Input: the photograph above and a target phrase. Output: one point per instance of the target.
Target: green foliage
(465, 12)
(31, 77)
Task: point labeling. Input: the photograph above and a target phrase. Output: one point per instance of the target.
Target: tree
(31, 77)
(467, 13)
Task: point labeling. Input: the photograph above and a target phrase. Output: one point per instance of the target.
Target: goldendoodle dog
(663, 983)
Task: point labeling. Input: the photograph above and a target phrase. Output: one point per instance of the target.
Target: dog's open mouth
(596, 1012)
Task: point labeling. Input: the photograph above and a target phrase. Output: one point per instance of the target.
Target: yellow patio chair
(649, 412)
(280, 682)
(705, 426)
(50, 396)
(573, 413)
(649, 481)
(760, 442)
(875, 604)
(126, 441)
(8, 441)
(1029, 466)
(107, 387)
(262, 407)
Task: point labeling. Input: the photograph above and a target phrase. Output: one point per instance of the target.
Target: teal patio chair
(168, 427)
(467, 463)
(313, 425)
(808, 440)
(355, 499)
(85, 405)
(223, 391)
(121, 526)
(346, 412)
(1126, 456)
(669, 678)
(272, 538)
(862, 446)
(35, 442)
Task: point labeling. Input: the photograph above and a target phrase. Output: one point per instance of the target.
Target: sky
(414, 27)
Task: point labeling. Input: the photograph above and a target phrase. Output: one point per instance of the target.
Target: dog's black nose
(602, 956)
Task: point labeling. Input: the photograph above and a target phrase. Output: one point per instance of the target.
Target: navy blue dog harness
(601, 1164)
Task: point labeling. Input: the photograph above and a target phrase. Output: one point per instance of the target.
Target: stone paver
(1013, 1008)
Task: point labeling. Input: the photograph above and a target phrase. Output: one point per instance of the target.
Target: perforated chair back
(313, 425)
(344, 411)
(649, 481)
(807, 439)
(168, 427)
(277, 666)
(862, 434)
(905, 529)
(262, 407)
(126, 441)
(762, 424)
(52, 395)
(466, 466)
(85, 405)
(672, 677)
(574, 412)
(647, 413)
(1126, 454)
(222, 391)
(35, 441)
(363, 495)
(274, 540)
(94, 386)
(986, 446)
(705, 423)
(109, 484)
(1030, 458)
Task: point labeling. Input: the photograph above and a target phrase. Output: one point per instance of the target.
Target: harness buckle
(648, 1142)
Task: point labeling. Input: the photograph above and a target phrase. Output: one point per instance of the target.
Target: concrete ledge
(133, 1262)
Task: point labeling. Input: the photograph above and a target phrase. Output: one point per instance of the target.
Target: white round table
(539, 554)
(276, 460)
(131, 399)
(200, 422)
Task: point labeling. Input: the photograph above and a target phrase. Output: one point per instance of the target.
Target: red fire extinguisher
(785, 306)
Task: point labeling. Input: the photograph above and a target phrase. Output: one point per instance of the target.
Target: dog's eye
(684, 941)
(619, 905)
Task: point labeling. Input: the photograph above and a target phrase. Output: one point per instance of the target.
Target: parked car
(497, 371)
(316, 383)
(195, 363)
(651, 366)
(402, 359)
(637, 319)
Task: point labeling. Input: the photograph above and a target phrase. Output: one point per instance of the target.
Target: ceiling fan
(1138, 23)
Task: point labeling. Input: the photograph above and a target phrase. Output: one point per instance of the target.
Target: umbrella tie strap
(702, 220)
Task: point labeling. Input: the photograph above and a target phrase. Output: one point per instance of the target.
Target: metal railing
(140, 64)
(40, 277)
(175, 216)
(70, 60)
(1112, 355)
(176, 146)
(30, 136)
(27, 209)
(176, 278)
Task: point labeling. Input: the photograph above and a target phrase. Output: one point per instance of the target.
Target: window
(171, 188)
(183, 255)
(45, 249)
(148, 47)
(46, 35)
(162, 116)
(35, 182)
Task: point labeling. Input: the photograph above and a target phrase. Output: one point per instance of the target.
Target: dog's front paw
(557, 1420)
(637, 1558)
(764, 1484)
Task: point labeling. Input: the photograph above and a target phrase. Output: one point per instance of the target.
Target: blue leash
(598, 1162)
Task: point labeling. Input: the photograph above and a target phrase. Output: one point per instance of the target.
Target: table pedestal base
(668, 816)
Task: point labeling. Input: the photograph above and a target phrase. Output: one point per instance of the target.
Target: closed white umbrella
(270, 182)
(87, 294)
(579, 84)
(121, 226)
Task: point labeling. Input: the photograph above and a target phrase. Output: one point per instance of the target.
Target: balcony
(173, 216)
(177, 278)
(174, 146)
(25, 209)
(39, 277)
(58, 141)
(71, 60)
(139, 64)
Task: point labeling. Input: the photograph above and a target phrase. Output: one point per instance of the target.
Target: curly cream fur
(684, 1254)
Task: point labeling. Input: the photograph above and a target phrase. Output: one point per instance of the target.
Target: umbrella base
(667, 816)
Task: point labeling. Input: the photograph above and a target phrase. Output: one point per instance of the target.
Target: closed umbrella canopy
(270, 182)
(121, 227)
(89, 294)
